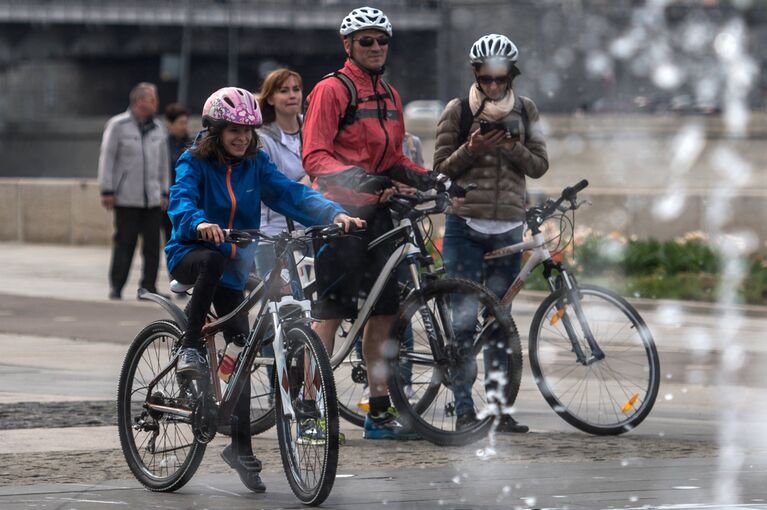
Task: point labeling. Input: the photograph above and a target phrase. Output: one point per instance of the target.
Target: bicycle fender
(175, 312)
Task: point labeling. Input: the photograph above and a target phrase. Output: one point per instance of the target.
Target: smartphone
(485, 127)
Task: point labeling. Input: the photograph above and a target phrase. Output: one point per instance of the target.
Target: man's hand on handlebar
(386, 194)
(210, 232)
(347, 221)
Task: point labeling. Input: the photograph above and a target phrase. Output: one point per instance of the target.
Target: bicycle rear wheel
(603, 397)
(436, 363)
(160, 449)
(351, 374)
(351, 381)
(309, 462)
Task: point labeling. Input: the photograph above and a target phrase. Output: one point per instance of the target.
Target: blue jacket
(231, 196)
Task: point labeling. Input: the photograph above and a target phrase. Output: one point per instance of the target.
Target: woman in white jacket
(280, 100)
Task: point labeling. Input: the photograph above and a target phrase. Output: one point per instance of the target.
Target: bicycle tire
(157, 341)
(630, 402)
(310, 484)
(431, 413)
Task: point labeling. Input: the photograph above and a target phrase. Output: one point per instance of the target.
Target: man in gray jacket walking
(133, 177)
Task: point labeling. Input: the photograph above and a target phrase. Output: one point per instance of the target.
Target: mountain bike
(592, 355)
(165, 420)
(424, 356)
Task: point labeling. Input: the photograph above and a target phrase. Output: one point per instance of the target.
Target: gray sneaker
(192, 362)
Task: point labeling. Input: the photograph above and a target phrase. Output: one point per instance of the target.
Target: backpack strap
(351, 108)
(350, 116)
(519, 103)
(466, 120)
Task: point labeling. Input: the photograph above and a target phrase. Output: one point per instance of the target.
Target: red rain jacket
(370, 143)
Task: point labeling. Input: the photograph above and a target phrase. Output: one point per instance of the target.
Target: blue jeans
(463, 253)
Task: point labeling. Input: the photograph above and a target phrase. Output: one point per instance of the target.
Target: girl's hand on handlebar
(210, 232)
(347, 221)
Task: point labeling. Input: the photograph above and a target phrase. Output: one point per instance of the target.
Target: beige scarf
(494, 110)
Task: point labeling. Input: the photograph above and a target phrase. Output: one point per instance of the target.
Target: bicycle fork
(574, 299)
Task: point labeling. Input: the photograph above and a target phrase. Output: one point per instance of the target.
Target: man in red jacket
(353, 151)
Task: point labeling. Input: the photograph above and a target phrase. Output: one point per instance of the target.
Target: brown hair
(271, 85)
(211, 147)
(174, 111)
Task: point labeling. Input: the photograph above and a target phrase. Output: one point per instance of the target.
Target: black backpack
(350, 116)
(467, 119)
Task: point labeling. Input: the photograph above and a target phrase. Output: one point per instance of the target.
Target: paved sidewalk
(63, 343)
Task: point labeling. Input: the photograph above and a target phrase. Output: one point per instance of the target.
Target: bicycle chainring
(360, 374)
(204, 418)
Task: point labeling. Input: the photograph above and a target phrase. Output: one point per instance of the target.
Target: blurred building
(66, 65)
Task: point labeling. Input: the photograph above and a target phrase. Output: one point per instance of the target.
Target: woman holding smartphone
(491, 139)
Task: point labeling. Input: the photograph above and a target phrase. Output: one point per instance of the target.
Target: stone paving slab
(646, 484)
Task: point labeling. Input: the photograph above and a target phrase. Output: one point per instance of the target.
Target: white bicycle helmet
(493, 47)
(364, 18)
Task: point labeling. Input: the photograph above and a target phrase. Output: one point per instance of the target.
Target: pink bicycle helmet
(234, 105)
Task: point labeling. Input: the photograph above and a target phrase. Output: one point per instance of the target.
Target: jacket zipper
(234, 205)
(380, 121)
(143, 162)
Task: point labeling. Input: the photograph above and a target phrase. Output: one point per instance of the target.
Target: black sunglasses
(368, 41)
(487, 80)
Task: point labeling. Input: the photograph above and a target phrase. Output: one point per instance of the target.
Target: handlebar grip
(569, 193)
(581, 185)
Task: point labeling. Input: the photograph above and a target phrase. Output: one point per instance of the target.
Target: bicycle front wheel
(465, 358)
(308, 441)
(605, 396)
(160, 449)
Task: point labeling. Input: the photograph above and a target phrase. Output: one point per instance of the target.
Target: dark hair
(174, 111)
(211, 147)
(271, 85)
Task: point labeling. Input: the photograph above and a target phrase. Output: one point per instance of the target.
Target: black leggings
(204, 268)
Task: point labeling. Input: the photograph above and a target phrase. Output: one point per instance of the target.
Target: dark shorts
(346, 271)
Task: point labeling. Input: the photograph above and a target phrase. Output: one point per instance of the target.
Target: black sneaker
(509, 425)
(466, 421)
(115, 295)
(192, 362)
(248, 467)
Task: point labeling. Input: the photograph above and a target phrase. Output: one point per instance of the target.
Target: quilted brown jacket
(500, 174)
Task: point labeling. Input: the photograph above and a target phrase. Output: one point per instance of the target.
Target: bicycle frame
(541, 255)
(407, 250)
(269, 311)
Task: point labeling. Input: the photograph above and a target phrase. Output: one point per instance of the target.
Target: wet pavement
(63, 343)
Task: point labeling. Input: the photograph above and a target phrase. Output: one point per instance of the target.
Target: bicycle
(165, 421)
(420, 377)
(428, 366)
(584, 335)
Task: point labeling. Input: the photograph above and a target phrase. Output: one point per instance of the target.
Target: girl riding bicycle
(220, 183)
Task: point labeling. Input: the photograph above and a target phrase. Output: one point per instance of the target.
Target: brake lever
(577, 204)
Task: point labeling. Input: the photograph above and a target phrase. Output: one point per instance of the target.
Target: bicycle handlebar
(537, 215)
(244, 237)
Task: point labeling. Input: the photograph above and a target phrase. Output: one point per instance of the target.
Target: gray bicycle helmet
(493, 47)
(364, 18)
